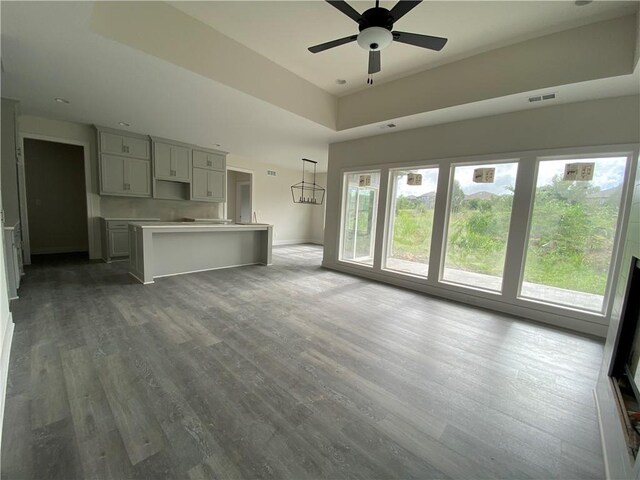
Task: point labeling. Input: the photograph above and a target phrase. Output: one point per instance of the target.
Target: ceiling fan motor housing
(375, 38)
(375, 29)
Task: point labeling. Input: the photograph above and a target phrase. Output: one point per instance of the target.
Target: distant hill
(480, 196)
(605, 194)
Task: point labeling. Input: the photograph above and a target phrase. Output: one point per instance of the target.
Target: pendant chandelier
(308, 192)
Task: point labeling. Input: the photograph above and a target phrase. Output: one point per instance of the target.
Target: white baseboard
(277, 243)
(4, 367)
(52, 250)
(607, 475)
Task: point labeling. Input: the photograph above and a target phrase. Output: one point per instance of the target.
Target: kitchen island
(173, 248)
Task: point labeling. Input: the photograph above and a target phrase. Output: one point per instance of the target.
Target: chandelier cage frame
(309, 193)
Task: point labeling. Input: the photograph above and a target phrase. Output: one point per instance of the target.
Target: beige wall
(56, 197)
(272, 201)
(7, 156)
(619, 462)
(75, 133)
(9, 167)
(317, 214)
(599, 50)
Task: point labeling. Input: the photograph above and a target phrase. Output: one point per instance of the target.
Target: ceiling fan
(376, 31)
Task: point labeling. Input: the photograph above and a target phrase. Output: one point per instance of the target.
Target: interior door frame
(239, 200)
(251, 190)
(22, 192)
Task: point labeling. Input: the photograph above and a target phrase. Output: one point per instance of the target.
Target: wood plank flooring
(289, 371)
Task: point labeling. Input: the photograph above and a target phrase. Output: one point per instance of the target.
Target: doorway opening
(55, 197)
(240, 195)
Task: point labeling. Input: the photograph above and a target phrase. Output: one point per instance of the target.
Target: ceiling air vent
(540, 98)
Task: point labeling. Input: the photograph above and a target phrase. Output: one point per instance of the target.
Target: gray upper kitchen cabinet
(125, 165)
(171, 161)
(208, 185)
(125, 176)
(211, 160)
(126, 146)
(209, 176)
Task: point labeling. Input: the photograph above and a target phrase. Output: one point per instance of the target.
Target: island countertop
(190, 226)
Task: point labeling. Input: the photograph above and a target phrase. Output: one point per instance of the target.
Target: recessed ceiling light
(61, 100)
(341, 81)
(124, 124)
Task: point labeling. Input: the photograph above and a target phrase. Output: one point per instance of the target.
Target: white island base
(165, 249)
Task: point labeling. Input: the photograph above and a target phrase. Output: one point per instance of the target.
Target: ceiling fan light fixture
(375, 38)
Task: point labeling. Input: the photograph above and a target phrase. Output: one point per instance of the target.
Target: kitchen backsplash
(167, 210)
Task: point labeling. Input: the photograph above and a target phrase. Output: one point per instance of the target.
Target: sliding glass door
(359, 216)
(573, 230)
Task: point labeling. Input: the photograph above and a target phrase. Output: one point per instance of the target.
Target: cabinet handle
(173, 173)
(209, 163)
(125, 149)
(127, 186)
(209, 194)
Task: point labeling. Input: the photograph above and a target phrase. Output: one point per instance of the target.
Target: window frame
(506, 302)
(343, 207)
(486, 160)
(390, 208)
(617, 241)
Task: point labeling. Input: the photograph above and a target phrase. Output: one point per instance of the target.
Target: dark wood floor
(289, 371)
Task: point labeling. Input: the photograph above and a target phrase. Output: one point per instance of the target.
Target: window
(478, 225)
(413, 198)
(572, 233)
(360, 202)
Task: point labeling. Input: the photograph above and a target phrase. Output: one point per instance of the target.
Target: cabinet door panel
(209, 160)
(139, 177)
(200, 184)
(217, 182)
(180, 164)
(119, 243)
(162, 160)
(136, 147)
(122, 145)
(112, 169)
(111, 143)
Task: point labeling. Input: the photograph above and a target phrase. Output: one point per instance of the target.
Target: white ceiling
(48, 51)
(282, 31)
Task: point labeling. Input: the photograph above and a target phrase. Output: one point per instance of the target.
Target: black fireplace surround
(625, 365)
